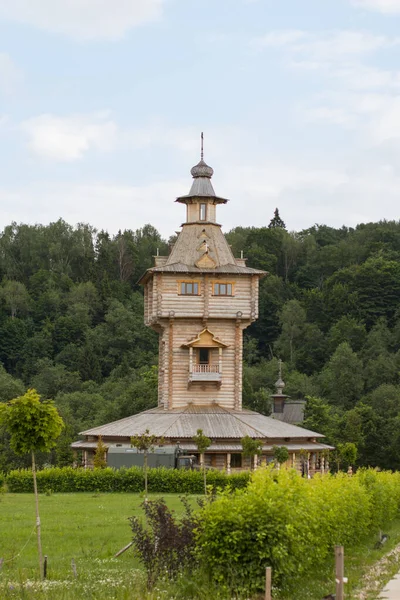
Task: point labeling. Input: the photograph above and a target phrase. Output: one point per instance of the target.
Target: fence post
(339, 570)
(268, 581)
(73, 566)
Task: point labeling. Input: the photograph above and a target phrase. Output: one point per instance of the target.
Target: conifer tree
(276, 221)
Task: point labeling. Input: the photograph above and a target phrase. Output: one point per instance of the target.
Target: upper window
(279, 404)
(203, 212)
(189, 288)
(222, 289)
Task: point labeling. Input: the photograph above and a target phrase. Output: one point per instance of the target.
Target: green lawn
(89, 528)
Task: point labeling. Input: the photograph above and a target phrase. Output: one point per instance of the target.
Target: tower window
(204, 356)
(279, 404)
(189, 288)
(203, 212)
(222, 289)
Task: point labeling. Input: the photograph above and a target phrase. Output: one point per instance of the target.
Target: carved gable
(205, 339)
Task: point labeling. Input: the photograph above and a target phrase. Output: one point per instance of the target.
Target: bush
(168, 481)
(164, 544)
(290, 523)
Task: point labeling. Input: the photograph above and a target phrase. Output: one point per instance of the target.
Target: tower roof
(201, 186)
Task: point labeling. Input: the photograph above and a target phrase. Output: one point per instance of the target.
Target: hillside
(71, 325)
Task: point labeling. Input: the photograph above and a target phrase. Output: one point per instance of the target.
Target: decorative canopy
(205, 339)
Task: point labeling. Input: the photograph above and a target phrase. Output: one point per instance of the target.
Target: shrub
(165, 545)
(168, 481)
(290, 523)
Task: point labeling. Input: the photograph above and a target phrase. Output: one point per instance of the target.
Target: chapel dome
(202, 170)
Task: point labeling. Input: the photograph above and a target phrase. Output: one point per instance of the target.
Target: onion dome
(279, 386)
(202, 170)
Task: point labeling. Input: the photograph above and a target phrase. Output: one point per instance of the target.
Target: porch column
(228, 463)
(308, 466)
(255, 462)
(220, 359)
(85, 459)
(191, 359)
(313, 461)
(294, 460)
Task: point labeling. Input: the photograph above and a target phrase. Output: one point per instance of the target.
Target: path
(391, 591)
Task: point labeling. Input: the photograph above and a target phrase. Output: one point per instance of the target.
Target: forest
(71, 326)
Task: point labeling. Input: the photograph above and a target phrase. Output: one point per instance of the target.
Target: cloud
(10, 74)
(69, 138)
(312, 50)
(356, 95)
(83, 19)
(109, 206)
(305, 194)
(383, 6)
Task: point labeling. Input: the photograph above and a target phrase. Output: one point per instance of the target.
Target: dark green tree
(276, 221)
(251, 448)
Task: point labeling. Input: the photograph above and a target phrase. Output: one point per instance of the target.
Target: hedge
(161, 480)
(291, 524)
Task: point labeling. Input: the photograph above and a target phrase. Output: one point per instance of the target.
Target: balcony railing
(205, 368)
(205, 373)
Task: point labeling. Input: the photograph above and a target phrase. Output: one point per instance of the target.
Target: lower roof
(215, 421)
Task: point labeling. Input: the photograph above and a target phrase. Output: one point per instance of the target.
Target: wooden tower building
(200, 299)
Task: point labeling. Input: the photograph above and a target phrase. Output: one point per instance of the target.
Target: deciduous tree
(34, 426)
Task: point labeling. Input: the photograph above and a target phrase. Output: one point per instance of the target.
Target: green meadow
(90, 528)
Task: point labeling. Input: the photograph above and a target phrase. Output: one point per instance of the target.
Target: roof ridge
(177, 417)
(88, 431)
(251, 426)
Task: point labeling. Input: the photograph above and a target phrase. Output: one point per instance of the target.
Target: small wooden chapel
(200, 299)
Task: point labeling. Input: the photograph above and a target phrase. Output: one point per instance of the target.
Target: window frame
(218, 284)
(199, 358)
(201, 206)
(238, 460)
(182, 287)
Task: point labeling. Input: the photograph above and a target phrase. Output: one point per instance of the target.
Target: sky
(102, 103)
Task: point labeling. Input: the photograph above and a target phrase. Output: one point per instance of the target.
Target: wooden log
(268, 583)
(73, 566)
(123, 550)
(339, 569)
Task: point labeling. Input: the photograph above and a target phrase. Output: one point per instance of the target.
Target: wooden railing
(205, 369)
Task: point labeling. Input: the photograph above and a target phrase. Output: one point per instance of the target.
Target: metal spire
(280, 383)
(202, 148)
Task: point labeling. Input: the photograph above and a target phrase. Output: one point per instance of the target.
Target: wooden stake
(39, 541)
(73, 566)
(123, 550)
(339, 569)
(45, 567)
(268, 581)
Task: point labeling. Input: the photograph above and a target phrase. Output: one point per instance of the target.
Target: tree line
(71, 326)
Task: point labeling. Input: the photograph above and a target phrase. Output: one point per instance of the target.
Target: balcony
(205, 373)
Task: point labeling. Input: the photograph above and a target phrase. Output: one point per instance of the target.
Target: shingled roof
(214, 420)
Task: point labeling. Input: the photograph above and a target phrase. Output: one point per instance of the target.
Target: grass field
(91, 528)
